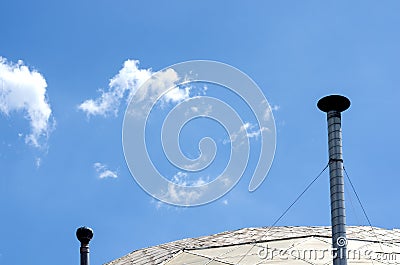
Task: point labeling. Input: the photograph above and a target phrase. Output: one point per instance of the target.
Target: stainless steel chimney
(333, 105)
(84, 235)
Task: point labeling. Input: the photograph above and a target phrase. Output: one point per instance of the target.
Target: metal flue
(333, 105)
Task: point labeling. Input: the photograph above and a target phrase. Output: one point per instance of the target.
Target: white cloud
(225, 202)
(158, 204)
(177, 95)
(126, 83)
(268, 110)
(180, 195)
(181, 178)
(199, 110)
(23, 89)
(103, 172)
(251, 131)
(275, 107)
(38, 162)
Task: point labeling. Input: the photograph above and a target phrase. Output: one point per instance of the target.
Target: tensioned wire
(290, 206)
(363, 209)
(275, 222)
(287, 209)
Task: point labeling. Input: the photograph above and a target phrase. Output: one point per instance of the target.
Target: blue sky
(296, 51)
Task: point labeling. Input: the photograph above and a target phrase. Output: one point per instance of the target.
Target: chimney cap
(333, 102)
(84, 234)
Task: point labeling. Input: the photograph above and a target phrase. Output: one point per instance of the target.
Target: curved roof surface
(272, 245)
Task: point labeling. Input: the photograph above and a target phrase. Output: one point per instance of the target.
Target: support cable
(287, 210)
(363, 209)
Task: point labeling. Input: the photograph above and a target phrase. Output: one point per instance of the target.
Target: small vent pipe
(84, 235)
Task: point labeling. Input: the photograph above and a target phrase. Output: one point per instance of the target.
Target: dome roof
(272, 245)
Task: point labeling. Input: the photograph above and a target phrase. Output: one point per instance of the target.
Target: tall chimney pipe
(333, 105)
(84, 235)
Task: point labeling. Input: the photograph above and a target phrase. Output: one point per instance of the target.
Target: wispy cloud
(269, 110)
(126, 83)
(246, 131)
(24, 90)
(38, 162)
(252, 130)
(103, 172)
(182, 196)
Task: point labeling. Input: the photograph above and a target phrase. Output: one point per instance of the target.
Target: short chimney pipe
(333, 105)
(84, 235)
